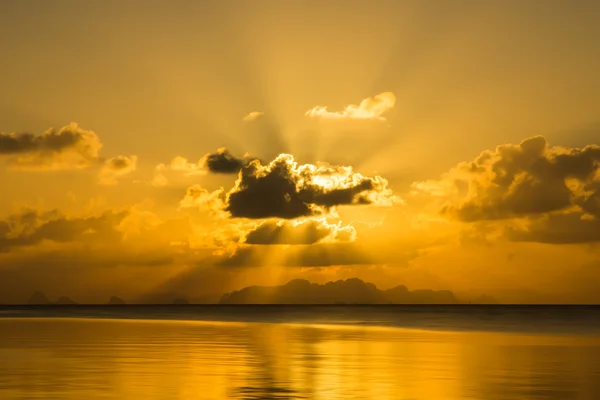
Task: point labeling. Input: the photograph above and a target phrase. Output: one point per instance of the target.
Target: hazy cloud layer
(369, 108)
(296, 233)
(31, 228)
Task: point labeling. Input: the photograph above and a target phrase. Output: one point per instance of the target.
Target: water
(346, 352)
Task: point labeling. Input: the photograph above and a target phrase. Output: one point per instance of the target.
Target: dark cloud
(51, 140)
(284, 189)
(223, 162)
(68, 147)
(521, 180)
(36, 229)
(305, 232)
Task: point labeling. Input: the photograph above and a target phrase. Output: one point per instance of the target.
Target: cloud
(308, 231)
(284, 189)
(252, 116)
(518, 181)
(198, 197)
(542, 194)
(181, 164)
(116, 167)
(369, 108)
(68, 148)
(557, 228)
(32, 227)
(223, 162)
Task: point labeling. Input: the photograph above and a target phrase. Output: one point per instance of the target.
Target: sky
(151, 148)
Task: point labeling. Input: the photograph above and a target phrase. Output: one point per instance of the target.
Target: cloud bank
(554, 191)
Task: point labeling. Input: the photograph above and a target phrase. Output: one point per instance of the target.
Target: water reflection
(116, 359)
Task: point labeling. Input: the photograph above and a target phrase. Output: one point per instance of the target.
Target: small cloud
(369, 108)
(188, 168)
(116, 167)
(252, 116)
(159, 180)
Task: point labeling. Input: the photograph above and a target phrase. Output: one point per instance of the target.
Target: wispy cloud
(369, 108)
(252, 116)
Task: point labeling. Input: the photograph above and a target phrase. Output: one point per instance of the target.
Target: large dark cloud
(305, 232)
(284, 189)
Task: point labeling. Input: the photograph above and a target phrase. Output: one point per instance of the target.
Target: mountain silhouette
(115, 300)
(38, 298)
(63, 300)
(350, 291)
(180, 300)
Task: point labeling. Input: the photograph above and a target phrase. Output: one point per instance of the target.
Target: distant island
(301, 291)
(350, 291)
(65, 301)
(39, 298)
(114, 300)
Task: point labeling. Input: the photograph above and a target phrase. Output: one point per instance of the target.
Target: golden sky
(152, 147)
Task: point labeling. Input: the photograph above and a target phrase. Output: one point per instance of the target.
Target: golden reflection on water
(132, 359)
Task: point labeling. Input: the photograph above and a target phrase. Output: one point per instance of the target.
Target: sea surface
(300, 352)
